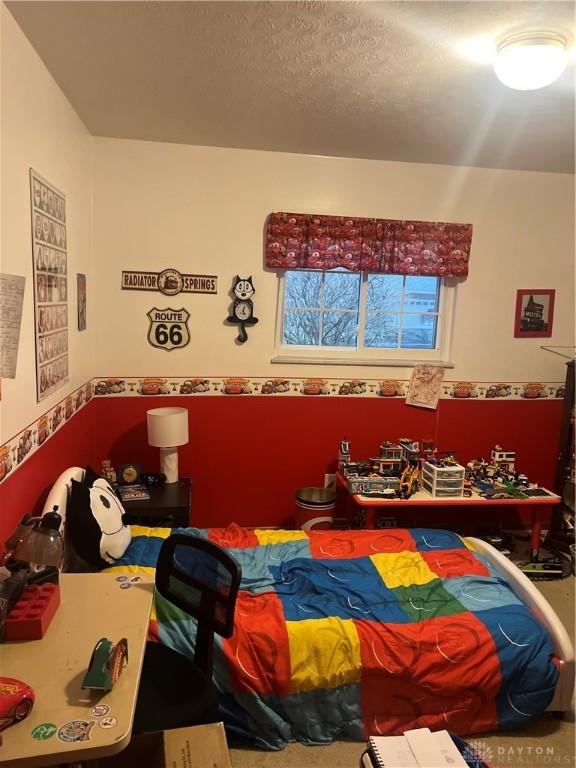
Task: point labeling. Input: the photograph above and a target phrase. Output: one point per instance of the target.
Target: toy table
(373, 506)
(92, 606)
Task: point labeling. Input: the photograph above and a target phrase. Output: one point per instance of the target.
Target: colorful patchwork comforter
(345, 634)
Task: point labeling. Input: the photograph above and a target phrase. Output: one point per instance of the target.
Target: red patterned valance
(306, 241)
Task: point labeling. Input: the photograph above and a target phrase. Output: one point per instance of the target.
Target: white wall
(41, 130)
(203, 210)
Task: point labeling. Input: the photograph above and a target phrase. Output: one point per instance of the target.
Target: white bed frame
(541, 608)
(58, 497)
(527, 592)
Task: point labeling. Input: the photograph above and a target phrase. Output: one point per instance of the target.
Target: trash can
(315, 508)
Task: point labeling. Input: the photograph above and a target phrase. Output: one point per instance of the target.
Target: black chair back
(202, 579)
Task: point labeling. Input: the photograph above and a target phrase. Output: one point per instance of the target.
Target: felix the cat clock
(242, 312)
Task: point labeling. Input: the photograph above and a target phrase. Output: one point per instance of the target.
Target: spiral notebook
(419, 748)
(391, 752)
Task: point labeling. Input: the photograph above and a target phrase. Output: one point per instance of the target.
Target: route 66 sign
(168, 328)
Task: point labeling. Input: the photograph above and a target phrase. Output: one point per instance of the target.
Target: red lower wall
(248, 455)
(25, 489)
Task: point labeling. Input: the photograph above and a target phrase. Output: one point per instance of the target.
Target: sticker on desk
(44, 731)
(121, 578)
(107, 722)
(76, 730)
(135, 579)
(125, 585)
(100, 710)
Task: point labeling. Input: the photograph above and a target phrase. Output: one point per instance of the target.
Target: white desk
(91, 606)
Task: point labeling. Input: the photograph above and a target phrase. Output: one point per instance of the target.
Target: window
(362, 318)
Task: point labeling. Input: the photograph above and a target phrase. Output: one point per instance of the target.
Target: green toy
(106, 664)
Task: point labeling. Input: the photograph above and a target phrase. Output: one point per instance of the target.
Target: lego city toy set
(405, 467)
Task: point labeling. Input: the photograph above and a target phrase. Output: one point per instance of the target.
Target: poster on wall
(50, 271)
(425, 386)
(11, 297)
(81, 293)
(534, 312)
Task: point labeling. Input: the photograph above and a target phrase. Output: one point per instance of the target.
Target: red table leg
(536, 531)
(370, 517)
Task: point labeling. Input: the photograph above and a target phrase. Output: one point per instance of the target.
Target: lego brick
(30, 617)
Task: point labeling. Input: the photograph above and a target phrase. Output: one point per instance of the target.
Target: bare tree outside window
(321, 308)
(328, 309)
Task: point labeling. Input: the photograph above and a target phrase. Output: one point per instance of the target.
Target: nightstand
(167, 507)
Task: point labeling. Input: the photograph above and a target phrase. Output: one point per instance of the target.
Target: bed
(346, 634)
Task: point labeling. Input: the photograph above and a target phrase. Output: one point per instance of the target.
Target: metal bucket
(315, 508)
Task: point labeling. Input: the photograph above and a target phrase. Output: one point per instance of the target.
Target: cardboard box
(199, 746)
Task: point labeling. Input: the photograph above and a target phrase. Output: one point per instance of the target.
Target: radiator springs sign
(169, 282)
(168, 328)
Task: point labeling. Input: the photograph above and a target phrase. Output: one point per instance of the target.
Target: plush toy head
(94, 521)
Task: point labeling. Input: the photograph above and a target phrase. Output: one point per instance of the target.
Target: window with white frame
(369, 317)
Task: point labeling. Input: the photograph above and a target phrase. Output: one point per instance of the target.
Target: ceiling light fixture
(531, 60)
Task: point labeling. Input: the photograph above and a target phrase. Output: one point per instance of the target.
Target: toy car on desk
(16, 701)
(106, 664)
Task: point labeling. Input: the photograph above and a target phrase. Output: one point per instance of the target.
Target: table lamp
(43, 546)
(167, 429)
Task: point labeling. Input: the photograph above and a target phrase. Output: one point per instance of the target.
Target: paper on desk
(449, 750)
(432, 750)
(11, 296)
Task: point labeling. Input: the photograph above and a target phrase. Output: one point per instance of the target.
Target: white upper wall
(202, 210)
(40, 130)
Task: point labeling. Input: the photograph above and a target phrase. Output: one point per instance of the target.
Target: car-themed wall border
(386, 388)
(27, 441)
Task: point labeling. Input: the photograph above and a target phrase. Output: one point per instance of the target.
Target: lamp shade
(44, 544)
(167, 427)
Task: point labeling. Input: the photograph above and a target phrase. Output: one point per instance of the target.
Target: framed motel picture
(534, 313)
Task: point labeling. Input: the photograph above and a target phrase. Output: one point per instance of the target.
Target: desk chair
(201, 579)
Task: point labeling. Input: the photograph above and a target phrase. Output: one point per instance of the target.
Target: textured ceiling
(380, 80)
